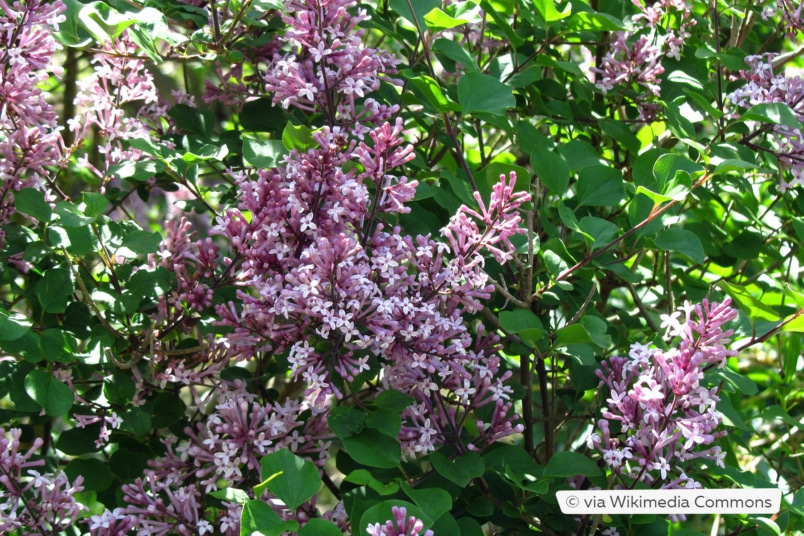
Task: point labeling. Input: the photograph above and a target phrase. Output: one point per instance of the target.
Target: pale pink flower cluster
(118, 79)
(33, 503)
(328, 69)
(675, 17)
(632, 61)
(792, 16)
(400, 525)
(658, 416)
(761, 86)
(30, 140)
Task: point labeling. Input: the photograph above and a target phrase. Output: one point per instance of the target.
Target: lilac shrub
(659, 417)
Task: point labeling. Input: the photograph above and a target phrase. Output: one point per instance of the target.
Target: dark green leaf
(374, 449)
(479, 92)
(345, 421)
(777, 113)
(264, 154)
(393, 400)
(600, 186)
(682, 241)
(97, 476)
(568, 463)
(54, 289)
(291, 478)
(167, 409)
(320, 527)
(258, 518)
(32, 202)
(142, 242)
(13, 325)
(752, 306)
(193, 120)
(460, 470)
(119, 388)
(55, 397)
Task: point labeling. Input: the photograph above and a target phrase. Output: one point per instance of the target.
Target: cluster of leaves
(138, 330)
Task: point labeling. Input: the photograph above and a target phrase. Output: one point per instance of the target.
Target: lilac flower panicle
(764, 86)
(658, 416)
(33, 503)
(30, 140)
(792, 16)
(400, 525)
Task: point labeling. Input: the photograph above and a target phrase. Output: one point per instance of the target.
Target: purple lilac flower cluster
(400, 525)
(33, 503)
(118, 78)
(658, 416)
(329, 69)
(792, 15)
(636, 58)
(764, 86)
(29, 132)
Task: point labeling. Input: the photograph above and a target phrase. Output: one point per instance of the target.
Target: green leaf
(620, 131)
(78, 441)
(433, 501)
(429, 89)
(167, 409)
(320, 527)
(753, 307)
(97, 476)
(193, 120)
(374, 449)
(119, 388)
(524, 323)
(420, 9)
(259, 519)
(58, 345)
(386, 421)
(437, 20)
(297, 137)
(345, 421)
(150, 283)
(128, 464)
(735, 382)
(547, 9)
(231, 495)
(55, 397)
(588, 21)
(393, 400)
(590, 330)
(456, 53)
(777, 113)
(136, 421)
(478, 92)
(602, 232)
(600, 186)
(666, 168)
(32, 202)
(13, 325)
(460, 470)
(264, 154)
(262, 116)
(682, 241)
(569, 463)
(142, 242)
(54, 289)
(70, 215)
(296, 480)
